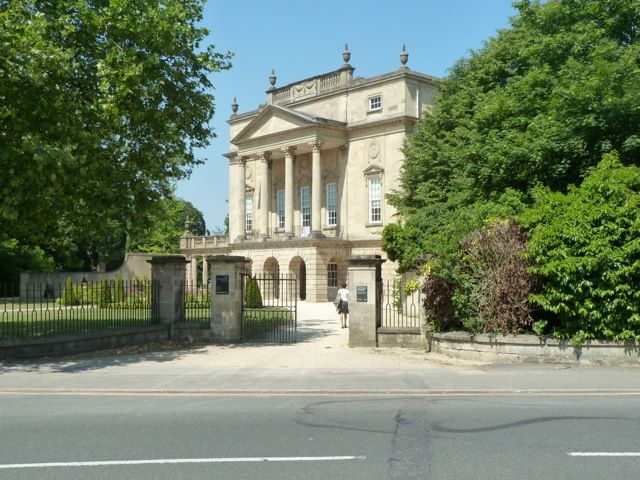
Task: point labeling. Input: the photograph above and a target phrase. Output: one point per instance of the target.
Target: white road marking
(181, 460)
(604, 454)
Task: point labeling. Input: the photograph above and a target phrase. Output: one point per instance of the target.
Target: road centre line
(604, 454)
(181, 460)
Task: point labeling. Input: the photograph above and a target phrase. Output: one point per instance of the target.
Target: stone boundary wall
(404, 337)
(532, 349)
(135, 265)
(78, 343)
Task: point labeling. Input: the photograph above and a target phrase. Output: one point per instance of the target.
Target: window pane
(332, 275)
(249, 213)
(375, 211)
(332, 213)
(280, 208)
(305, 206)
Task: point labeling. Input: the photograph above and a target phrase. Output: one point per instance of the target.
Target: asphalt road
(318, 437)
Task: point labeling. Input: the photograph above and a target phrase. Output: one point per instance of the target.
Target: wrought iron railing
(40, 310)
(197, 304)
(402, 304)
(269, 308)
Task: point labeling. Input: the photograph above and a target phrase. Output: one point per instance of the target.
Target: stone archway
(271, 279)
(298, 268)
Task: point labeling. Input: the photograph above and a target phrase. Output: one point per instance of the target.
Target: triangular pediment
(274, 119)
(373, 170)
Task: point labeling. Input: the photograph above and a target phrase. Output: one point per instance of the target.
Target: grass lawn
(259, 323)
(42, 319)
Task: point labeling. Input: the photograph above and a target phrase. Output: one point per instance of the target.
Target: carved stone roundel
(374, 150)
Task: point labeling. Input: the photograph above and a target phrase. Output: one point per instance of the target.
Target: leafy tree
(15, 258)
(166, 228)
(539, 103)
(103, 104)
(585, 245)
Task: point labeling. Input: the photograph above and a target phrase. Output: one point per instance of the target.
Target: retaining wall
(532, 349)
(77, 343)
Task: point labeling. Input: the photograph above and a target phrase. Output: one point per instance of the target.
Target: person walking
(343, 304)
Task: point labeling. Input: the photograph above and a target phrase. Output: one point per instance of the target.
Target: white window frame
(248, 221)
(305, 210)
(332, 274)
(375, 103)
(375, 199)
(331, 197)
(280, 209)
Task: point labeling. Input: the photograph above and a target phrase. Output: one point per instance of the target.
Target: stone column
(226, 297)
(240, 200)
(194, 271)
(316, 190)
(265, 194)
(288, 190)
(205, 272)
(167, 276)
(364, 300)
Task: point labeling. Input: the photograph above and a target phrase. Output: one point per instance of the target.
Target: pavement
(321, 362)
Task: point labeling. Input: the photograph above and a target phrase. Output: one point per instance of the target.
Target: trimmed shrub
(118, 291)
(252, 295)
(69, 296)
(105, 293)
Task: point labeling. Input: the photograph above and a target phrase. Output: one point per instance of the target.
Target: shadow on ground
(98, 360)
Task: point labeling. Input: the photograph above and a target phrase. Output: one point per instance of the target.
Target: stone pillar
(316, 190)
(265, 194)
(194, 271)
(205, 272)
(240, 197)
(288, 190)
(167, 297)
(364, 284)
(226, 297)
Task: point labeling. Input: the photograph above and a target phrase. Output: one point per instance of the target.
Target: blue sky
(301, 39)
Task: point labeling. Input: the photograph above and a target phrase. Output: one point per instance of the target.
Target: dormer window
(375, 103)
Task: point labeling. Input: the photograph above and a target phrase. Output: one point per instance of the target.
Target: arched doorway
(298, 268)
(271, 279)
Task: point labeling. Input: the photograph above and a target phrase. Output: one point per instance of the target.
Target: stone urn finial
(404, 56)
(346, 55)
(273, 78)
(234, 106)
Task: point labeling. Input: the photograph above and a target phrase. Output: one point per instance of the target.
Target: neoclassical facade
(309, 171)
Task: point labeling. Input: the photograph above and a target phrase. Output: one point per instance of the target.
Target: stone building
(309, 171)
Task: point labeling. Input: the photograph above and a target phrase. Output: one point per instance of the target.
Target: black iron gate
(269, 308)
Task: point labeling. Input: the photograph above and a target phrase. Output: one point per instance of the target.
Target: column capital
(264, 156)
(315, 145)
(288, 150)
(239, 159)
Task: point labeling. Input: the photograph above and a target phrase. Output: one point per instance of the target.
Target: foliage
(68, 296)
(585, 246)
(539, 103)
(167, 226)
(105, 293)
(252, 295)
(104, 105)
(411, 286)
(15, 258)
(118, 291)
(438, 304)
(497, 283)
